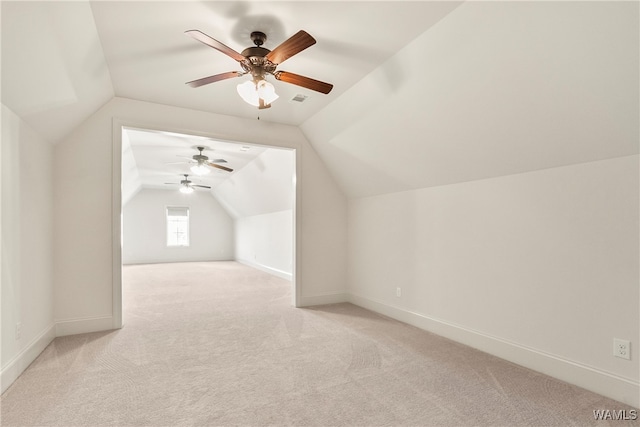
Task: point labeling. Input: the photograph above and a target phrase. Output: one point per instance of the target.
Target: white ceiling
(92, 51)
(150, 58)
(426, 92)
(54, 74)
(164, 157)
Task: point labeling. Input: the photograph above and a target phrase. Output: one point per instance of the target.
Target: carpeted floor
(219, 344)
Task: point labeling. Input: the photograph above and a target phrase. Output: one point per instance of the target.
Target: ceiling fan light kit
(186, 189)
(260, 94)
(258, 62)
(186, 186)
(200, 166)
(199, 169)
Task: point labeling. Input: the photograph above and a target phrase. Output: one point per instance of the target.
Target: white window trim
(188, 226)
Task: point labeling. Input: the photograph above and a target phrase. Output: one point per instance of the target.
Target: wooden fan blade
(211, 42)
(224, 168)
(201, 186)
(218, 161)
(303, 81)
(293, 45)
(215, 78)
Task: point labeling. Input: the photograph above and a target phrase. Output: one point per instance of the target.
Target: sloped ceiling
(495, 88)
(54, 74)
(426, 93)
(62, 60)
(264, 186)
(150, 58)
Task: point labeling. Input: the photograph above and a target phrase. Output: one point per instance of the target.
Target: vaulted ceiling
(64, 59)
(426, 93)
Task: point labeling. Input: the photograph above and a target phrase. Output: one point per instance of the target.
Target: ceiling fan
(200, 163)
(259, 61)
(186, 186)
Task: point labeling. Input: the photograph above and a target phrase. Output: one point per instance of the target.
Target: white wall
(266, 242)
(260, 196)
(131, 183)
(540, 268)
(145, 228)
(84, 199)
(27, 232)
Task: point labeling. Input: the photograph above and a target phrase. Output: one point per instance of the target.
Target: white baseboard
(267, 269)
(624, 390)
(22, 360)
(83, 326)
(307, 301)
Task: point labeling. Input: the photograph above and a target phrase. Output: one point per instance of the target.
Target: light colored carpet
(220, 344)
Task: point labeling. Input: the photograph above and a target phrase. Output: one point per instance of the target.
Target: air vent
(299, 98)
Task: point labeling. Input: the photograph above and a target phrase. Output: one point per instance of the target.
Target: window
(177, 226)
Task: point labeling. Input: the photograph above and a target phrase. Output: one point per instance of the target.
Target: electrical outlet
(622, 348)
(398, 292)
(18, 330)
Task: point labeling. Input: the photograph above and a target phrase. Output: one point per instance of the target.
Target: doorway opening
(244, 211)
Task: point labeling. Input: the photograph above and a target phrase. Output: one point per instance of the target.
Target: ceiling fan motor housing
(255, 62)
(200, 158)
(257, 51)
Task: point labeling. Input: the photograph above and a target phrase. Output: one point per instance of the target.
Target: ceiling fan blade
(224, 168)
(218, 161)
(201, 186)
(303, 81)
(210, 41)
(171, 183)
(293, 45)
(215, 78)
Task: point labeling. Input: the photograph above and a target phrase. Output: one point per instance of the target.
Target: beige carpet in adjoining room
(219, 344)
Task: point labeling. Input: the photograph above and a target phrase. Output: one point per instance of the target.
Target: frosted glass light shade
(251, 92)
(200, 169)
(266, 91)
(186, 189)
(248, 92)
